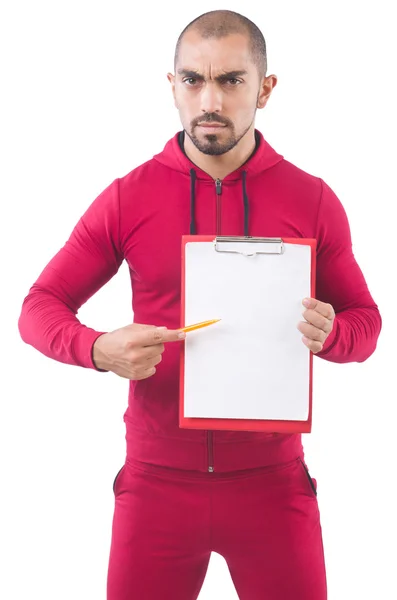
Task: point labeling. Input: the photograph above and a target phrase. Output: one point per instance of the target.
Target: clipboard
(230, 377)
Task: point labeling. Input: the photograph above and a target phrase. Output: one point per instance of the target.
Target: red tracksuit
(184, 493)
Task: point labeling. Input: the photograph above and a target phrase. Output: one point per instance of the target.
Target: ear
(267, 85)
(171, 79)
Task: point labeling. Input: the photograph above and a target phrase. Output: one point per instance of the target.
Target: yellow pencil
(199, 325)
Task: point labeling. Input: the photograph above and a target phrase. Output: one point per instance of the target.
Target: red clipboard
(232, 424)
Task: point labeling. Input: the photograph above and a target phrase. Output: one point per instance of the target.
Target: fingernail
(306, 302)
(182, 335)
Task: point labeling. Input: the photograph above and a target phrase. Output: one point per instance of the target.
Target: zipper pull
(218, 185)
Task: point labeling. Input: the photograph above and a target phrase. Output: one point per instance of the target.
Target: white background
(85, 99)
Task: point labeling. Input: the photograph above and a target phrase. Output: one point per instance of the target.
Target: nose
(211, 98)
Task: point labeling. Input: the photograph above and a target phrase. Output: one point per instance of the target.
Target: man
(182, 494)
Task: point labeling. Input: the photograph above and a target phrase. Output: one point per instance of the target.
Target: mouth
(211, 125)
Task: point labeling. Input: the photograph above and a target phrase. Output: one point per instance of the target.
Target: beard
(212, 143)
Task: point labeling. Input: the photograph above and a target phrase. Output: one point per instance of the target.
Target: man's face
(216, 89)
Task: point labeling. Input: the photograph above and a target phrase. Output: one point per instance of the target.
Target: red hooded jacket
(158, 202)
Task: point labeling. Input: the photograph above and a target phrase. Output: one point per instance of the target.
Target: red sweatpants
(265, 523)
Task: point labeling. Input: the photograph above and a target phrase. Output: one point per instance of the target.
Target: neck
(223, 165)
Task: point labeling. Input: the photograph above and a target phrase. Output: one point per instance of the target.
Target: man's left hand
(318, 325)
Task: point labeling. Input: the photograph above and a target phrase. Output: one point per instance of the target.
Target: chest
(153, 229)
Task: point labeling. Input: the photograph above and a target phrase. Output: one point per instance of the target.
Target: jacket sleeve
(340, 282)
(88, 260)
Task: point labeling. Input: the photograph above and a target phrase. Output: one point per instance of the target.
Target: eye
(189, 79)
(233, 79)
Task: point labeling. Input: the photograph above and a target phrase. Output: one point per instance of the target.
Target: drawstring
(246, 205)
(193, 229)
(192, 202)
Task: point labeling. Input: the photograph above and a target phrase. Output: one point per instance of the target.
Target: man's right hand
(133, 351)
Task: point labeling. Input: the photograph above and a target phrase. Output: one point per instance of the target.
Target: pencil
(199, 325)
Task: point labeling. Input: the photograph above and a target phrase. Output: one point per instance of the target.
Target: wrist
(98, 356)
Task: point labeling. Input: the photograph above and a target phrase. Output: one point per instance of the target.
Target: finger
(317, 320)
(312, 345)
(326, 310)
(153, 362)
(145, 373)
(161, 335)
(312, 332)
(149, 352)
(144, 358)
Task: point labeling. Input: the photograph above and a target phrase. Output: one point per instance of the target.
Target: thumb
(161, 335)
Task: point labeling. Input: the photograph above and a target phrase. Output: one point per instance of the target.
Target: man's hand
(318, 325)
(133, 351)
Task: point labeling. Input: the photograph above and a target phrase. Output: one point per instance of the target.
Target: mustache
(210, 118)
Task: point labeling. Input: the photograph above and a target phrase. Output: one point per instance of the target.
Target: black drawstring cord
(246, 205)
(192, 202)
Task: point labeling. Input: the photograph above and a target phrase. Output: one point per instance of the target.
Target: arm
(340, 282)
(88, 260)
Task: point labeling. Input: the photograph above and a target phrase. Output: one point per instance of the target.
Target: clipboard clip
(263, 245)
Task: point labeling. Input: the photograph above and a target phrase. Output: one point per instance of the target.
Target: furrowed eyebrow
(223, 77)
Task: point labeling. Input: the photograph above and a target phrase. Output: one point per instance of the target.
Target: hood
(264, 158)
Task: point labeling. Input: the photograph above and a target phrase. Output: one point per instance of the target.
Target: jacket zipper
(210, 441)
(210, 452)
(218, 188)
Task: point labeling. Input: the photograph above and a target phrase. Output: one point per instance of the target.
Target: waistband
(191, 454)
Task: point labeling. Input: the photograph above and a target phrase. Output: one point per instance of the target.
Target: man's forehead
(228, 53)
(214, 65)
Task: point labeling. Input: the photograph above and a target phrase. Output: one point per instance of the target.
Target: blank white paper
(253, 364)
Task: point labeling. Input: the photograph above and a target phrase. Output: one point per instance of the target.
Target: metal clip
(276, 245)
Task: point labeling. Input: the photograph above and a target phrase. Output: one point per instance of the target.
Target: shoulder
(142, 175)
(299, 178)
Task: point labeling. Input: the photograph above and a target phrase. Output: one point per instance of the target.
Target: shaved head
(222, 23)
(219, 83)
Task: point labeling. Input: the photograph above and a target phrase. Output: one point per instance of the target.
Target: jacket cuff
(83, 348)
(331, 339)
